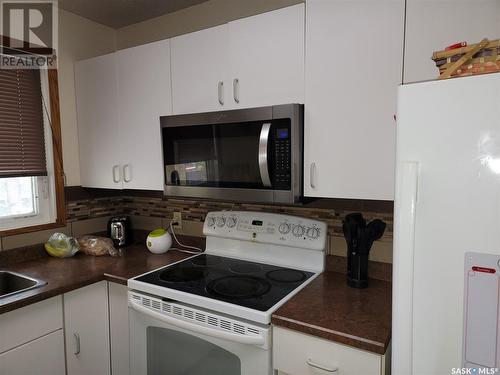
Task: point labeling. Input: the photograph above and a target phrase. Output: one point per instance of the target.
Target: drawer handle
(320, 367)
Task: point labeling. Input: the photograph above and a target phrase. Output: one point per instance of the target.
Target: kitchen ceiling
(120, 13)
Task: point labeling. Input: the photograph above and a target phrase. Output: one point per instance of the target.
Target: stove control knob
(284, 228)
(313, 232)
(231, 222)
(298, 230)
(210, 221)
(220, 221)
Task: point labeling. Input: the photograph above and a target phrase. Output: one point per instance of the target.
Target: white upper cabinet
(99, 138)
(143, 96)
(433, 25)
(120, 98)
(353, 67)
(251, 62)
(266, 55)
(199, 71)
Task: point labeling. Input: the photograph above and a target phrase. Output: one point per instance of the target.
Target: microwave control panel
(282, 157)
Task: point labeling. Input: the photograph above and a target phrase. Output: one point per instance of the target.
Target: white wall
(198, 17)
(79, 38)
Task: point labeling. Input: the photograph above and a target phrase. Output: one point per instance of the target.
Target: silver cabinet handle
(77, 343)
(220, 92)
(312, 175)
(321, 367)
(116, 171)
(236, 90)
(263, 166)
(127, 170)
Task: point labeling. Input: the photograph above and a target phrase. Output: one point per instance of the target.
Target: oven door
(170, 338)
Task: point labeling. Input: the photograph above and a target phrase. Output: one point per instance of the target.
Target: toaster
(120, 230)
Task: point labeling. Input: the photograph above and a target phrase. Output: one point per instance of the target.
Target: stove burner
(284, 275)
(245, 268)
(179, 275)
(238, 287)
(205, 261)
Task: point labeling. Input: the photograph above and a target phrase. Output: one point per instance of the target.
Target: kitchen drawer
(27, 323)
(292, 351)
(43, 356)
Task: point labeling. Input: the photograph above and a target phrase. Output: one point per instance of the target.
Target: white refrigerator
(447, 227)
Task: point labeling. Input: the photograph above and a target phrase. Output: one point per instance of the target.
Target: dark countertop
(325, 308)
(67, 274)
(330, 309)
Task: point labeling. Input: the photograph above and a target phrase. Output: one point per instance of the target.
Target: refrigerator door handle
(402, 282)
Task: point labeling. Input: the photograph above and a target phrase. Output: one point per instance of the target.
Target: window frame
(60, 205)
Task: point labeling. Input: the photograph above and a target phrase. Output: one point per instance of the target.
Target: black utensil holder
(357, 270)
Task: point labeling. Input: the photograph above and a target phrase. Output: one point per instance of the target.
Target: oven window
(173, 352)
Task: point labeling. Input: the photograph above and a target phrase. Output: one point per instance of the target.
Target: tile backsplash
(88, 211)
(148, 212)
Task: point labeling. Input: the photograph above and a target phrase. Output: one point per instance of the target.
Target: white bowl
(159, 241)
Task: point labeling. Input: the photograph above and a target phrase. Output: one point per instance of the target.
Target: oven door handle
(263, 157)
(257, 340)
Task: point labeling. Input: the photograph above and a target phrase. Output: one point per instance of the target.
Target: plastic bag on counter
(61, 246)
(97, 246)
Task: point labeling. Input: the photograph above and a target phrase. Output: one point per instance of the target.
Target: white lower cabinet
(42, 356)
(86, 325)
(118, 328)
(95, 329)
(300, 354)
(28, 323)
(31, 339)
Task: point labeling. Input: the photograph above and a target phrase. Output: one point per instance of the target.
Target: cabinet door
(118, 321)
(199, 66)
(433, 25)
(87, 330)
(266, 54)
(144, 94)
(353, 67)
(43, 356)
(99, 142)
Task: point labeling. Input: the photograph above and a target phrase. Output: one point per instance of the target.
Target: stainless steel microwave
(248, 155)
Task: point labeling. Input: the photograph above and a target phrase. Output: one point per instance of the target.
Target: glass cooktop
(254, 285)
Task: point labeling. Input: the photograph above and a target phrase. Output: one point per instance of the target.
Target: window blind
(22, 143)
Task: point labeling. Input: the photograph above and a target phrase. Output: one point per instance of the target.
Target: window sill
(34, 228)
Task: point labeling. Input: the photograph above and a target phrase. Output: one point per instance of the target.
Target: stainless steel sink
(12, 283)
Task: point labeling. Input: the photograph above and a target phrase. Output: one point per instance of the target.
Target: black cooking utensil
(353, 225)
(359, 238)
(377, 229)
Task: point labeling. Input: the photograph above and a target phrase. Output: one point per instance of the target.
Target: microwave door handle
(263, 154)
(183, 324)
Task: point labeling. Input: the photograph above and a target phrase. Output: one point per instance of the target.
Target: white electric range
(211, 313)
